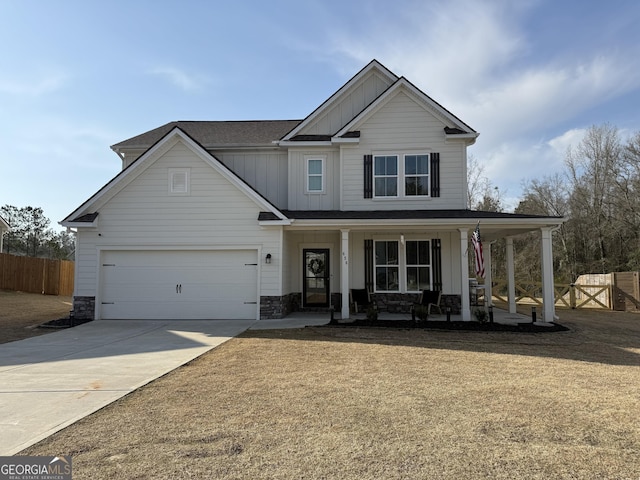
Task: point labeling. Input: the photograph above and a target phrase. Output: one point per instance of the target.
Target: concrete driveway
(51, 381)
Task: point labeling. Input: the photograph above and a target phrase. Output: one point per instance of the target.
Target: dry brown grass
(21, 312)
(381, 404)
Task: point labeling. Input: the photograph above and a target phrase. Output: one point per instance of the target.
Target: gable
(163, 151)
(453, 127)
(346, 103)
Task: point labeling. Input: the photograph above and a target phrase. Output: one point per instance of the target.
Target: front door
(315, 288)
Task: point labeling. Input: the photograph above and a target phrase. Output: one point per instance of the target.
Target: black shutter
(368, 176)
(436, 263)
(435, 174)
(368, 264)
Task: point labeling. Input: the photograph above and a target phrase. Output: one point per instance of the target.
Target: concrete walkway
(51, 381)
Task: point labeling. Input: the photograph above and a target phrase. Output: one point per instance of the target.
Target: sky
(79, 76)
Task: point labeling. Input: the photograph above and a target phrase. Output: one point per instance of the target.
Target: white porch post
(344, 274)
(488, 278)
(511, 277)
(464, 274)
(548, 297)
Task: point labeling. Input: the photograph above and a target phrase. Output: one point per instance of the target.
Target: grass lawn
(349, 403)
(21, 313)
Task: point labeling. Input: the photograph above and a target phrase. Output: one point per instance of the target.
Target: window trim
(404, 174)
(401, 191)
(402, 262)
(397, 176)
(419, 265)
(172, 172)
(397, 266)
(322, 175)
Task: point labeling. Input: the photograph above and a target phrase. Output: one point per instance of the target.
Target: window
(387, 266)
(416, 175)
(403, 266)
(385, 176)
(406, 175)
(179, 181)
(315, 175)
(418, 265)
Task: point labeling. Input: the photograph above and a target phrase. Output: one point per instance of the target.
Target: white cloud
(569, 139)
(34, 85)
(469, 58)
(180, 78)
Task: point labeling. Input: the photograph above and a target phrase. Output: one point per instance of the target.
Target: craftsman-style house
(257, 219)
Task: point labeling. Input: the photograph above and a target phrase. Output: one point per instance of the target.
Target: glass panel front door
(316, 277)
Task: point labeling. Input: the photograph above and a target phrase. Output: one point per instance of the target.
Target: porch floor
(304, 319)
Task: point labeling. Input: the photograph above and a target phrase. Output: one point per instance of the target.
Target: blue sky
(79, 76)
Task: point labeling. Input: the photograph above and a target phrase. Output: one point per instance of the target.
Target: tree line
(598, 192)
(31, 236)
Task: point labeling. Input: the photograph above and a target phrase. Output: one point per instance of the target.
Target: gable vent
(179, 181)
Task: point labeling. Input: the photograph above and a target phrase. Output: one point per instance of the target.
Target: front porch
(310, 319)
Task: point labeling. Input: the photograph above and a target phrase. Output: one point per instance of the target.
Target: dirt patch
(364, 403)
(21, 313)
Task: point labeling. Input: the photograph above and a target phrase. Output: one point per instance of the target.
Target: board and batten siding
(404, 126)
(299, 198)
(349, 104)
(297, 241)
(215, 215)
(265, 171)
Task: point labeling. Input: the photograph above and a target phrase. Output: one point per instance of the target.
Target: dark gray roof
(86, 218)
(323, 138)
(217, 133)
(393, 214)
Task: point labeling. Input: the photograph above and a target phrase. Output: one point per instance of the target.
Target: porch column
(488, 279)
(548, 297)
(511, 277)
(344, 274)
(464, 274)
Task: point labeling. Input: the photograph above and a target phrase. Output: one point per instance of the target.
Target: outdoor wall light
(267, 259)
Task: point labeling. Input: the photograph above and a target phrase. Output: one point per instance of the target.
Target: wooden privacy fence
(36, 275)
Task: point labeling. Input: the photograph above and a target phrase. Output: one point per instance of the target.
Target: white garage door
(179, 284)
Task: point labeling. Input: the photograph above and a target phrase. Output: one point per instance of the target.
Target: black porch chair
(431, 300)
(360, 299)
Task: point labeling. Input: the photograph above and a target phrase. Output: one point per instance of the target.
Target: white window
(398, 176)
(385, 176)
(402, 266)
(179, 181)
(416, 175)
(418, 265)
(315, 174)
(387, 266)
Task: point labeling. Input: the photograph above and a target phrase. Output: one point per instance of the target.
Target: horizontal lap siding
(399, 126)
(450, 243)
(215, 214)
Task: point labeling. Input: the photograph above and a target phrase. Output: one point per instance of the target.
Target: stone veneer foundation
(84, 308)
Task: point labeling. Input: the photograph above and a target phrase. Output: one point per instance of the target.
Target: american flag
(477, 249)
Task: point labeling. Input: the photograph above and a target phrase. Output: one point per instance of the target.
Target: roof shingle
(217, 133)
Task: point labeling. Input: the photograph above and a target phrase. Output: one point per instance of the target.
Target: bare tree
(593, 168)
(481, 194)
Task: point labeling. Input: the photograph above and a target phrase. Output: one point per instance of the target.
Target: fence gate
(626, 291)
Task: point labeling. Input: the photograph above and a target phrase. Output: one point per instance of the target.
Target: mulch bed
(456, 325)
(63, 323)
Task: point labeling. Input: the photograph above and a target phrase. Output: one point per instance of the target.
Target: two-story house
(256, 219)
